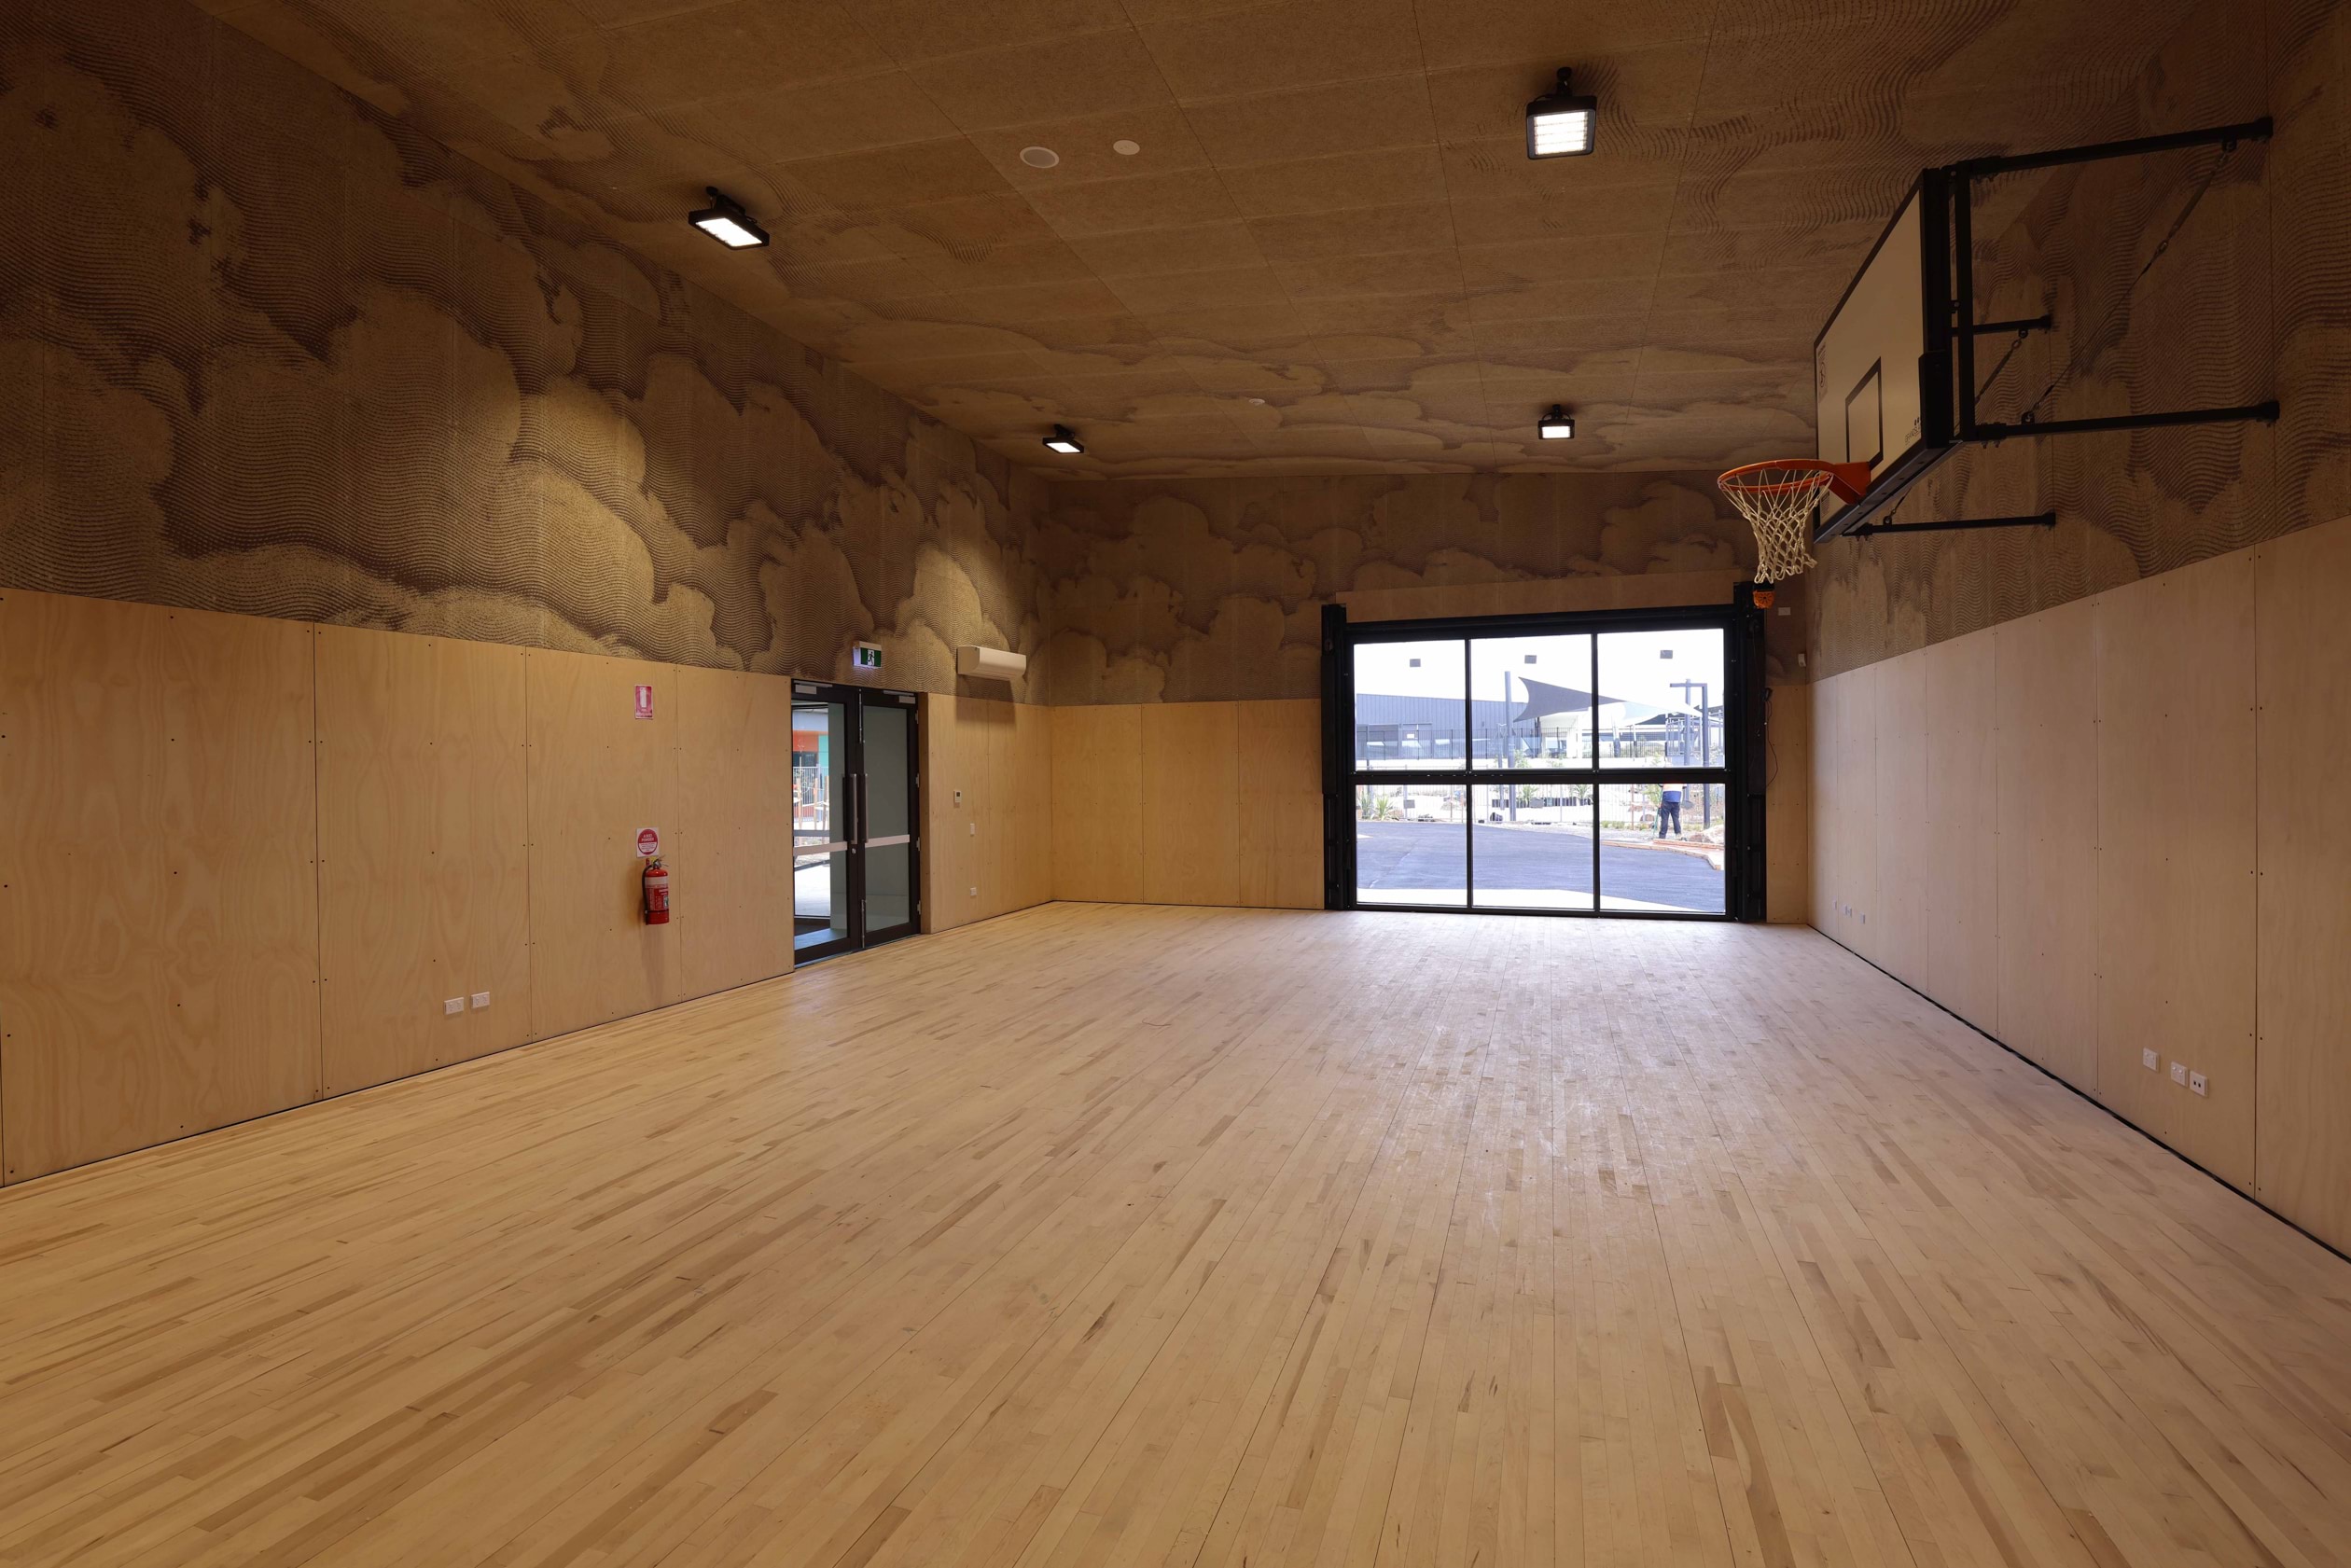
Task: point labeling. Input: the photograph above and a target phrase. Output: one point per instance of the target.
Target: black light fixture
(1556, 425)
(725, 221)
(1558, 123)
(1063, 441)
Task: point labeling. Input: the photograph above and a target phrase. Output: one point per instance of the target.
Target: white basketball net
(1778, 503)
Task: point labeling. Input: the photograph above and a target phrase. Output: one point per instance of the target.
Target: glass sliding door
(822, 786)
(885, 826)
(854, 810)
(1568, 765)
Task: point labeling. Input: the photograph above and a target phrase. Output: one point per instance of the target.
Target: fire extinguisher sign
(649, 842)
(644, 701)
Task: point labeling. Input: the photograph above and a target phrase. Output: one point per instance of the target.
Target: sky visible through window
(1641, 672)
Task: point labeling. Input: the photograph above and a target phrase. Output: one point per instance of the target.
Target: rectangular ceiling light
(725, 221)
(1556, 425)
(1558, 123)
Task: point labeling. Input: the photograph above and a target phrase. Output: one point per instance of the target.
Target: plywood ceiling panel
(1330, 253)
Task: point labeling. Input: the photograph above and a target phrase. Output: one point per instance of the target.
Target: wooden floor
(1165, 1237)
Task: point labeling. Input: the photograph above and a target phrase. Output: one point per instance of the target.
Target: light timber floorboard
(1108, 1235)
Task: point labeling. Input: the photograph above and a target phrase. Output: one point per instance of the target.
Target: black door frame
(1741, 772)
(853, 700)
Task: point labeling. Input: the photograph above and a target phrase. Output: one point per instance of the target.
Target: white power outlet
(481, 999)
(2196, 1083)
(2179, 1074)
(975, 830)
(453, 1004)
(2149, 1061)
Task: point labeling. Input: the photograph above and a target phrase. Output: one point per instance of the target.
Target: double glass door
(853, 872)
(1538, 771)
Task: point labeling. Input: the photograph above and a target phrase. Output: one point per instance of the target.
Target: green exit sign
(867, 657)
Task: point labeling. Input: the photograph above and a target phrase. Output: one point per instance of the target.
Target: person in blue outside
(1669, 800)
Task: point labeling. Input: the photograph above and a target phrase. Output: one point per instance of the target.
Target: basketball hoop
(1777, 498)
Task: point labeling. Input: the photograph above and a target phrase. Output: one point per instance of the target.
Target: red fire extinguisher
(656, 910)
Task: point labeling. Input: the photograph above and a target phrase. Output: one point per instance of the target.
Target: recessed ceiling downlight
(1125, 149)
(1039, 158)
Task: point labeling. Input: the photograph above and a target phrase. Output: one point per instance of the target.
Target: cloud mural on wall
(384, 388)
(1181, 590)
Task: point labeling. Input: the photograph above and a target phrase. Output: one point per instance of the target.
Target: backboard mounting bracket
(1929, 244)
(2036, 520)
(1963, 177)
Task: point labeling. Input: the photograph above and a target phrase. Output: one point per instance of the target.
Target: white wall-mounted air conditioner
(991, 664)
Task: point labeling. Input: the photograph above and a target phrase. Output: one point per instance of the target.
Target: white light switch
(2149, 1061)
(971, 892)
(2179, 1074)
(481, 999)
(455, 1005)
(975, 830)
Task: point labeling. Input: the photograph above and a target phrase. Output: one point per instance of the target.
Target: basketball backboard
(1882, 364)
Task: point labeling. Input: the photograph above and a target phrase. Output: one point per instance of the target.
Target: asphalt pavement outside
(1527, 868)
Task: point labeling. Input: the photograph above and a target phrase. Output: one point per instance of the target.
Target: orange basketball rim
(1778, 497)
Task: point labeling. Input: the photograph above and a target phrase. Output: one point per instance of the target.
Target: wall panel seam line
(530, 832)
(318, 878)
(2253, 600)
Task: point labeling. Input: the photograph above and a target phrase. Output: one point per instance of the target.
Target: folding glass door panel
(1652, 860)
(1663, 741)
(1532, 844)
(1409, 844)
(1664, 699)
(1530, 700)
(1543, 768)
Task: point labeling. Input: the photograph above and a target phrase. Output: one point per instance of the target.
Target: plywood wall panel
(2045, 724)
(1961, 874)
(730, 856)
(1850, 822)
(960, 852)
(998, 836)
(1828, 785)
(1029, 808)
(1279, 746)
(598, 775)
(946, 856)
(1898, 929)
(1788, 806)
(1192, 828)
(2175, 856)
(1098, 803)
(999, 847)
(424, 872)
(159, 922)
(2302, 985)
